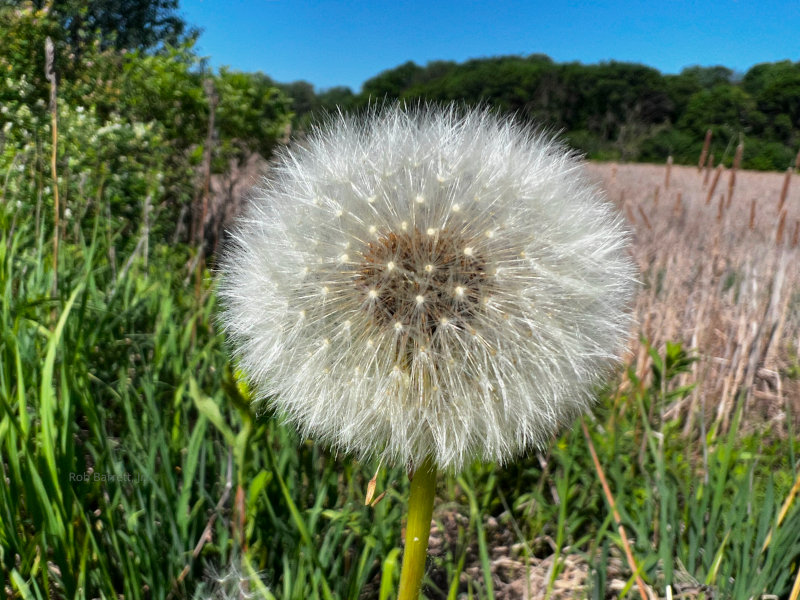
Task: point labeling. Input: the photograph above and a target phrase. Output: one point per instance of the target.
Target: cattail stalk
(785, 189)
(668, 173)
(714, 182)
(629, 213)
(656, 193)
(709, 166)
(677, 208)
(704, 152)
(50, 75)
(644, 218)
(721, 207)
(752, 214)
(737, 161)
(781, 227)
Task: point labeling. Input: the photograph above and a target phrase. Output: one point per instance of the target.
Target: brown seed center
(423, 280)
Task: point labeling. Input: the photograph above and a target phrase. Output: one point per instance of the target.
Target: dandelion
(428, 286)
(237, 581)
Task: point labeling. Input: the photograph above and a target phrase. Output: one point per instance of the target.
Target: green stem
(418, 529)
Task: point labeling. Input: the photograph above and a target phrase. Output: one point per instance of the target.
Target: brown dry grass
(726, 289)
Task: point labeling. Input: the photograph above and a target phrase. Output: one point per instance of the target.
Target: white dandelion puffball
(428, 282)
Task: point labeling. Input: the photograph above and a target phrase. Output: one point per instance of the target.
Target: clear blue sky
(345, 42)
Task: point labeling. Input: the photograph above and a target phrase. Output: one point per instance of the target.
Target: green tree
(251, 117)
(391, 84)
(776, 89)
(722, 108)
(332, 99)
(708, 77)
(120, 24)
(691, 80)
(302, 96)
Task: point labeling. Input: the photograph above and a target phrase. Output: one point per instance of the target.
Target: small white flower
(472, 332)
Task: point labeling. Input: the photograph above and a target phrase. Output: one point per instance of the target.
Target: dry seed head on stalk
(423, 281)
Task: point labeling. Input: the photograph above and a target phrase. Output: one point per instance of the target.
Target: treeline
(613, 110)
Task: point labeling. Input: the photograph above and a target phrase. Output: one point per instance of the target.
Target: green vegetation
(619, 111)
(132, 462)
(133, 121)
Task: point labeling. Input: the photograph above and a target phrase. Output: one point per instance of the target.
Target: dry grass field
(720, 270)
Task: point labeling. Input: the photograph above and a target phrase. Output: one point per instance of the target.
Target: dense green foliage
(121, 24)
(132, 462)
(610, 110)
(133, 123)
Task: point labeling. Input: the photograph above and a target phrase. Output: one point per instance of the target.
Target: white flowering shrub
(105, 168)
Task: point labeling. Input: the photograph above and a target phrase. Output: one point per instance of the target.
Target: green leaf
(209, 409)
(47, 401)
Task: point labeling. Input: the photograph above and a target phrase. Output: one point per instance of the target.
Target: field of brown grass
(720, 268)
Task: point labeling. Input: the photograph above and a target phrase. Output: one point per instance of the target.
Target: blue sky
(345, 42)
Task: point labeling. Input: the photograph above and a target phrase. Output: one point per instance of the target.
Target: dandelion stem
(418, 529)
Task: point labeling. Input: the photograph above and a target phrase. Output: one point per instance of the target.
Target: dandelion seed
(478, 332)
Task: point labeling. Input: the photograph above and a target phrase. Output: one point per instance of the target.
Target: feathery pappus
(428, 282)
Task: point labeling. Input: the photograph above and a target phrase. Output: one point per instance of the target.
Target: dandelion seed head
(230, 583)
(480, 310)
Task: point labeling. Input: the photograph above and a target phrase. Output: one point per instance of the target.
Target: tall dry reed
(704, 153)
(50, 75)
(722, 285)
(714, 182)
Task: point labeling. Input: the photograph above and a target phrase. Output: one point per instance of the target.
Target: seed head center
(422, 281)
